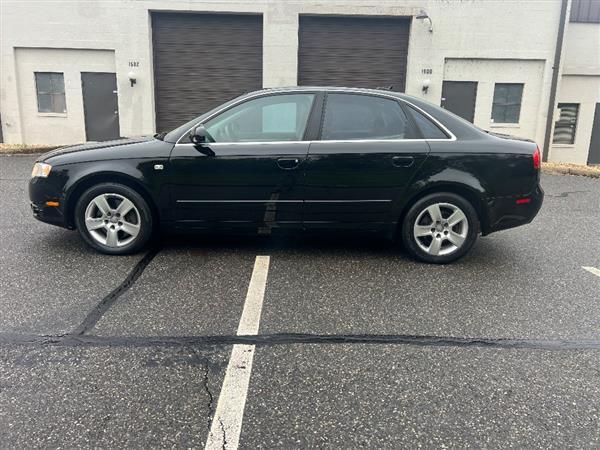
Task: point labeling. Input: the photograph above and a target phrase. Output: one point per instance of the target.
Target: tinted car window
(350, 117)
(273, 118)
(428, 129)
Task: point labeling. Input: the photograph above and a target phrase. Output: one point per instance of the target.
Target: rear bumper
(513, 211)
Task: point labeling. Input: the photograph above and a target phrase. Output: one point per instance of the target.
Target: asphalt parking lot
(357, 345)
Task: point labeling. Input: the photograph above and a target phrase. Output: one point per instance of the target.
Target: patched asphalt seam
(71, 340)
(107, 302)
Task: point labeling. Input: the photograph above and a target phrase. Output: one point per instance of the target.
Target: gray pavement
(377, 396)
(52, 397)
(125, 387)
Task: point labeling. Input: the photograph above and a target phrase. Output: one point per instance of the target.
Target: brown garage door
(353, 51)
(202, 60)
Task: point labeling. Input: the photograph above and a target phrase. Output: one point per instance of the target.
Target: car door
(367, 154)
(249, 173)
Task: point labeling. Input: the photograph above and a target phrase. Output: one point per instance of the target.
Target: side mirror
(198, 135)
(200, 138)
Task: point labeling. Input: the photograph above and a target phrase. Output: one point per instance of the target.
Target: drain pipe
(554, 85)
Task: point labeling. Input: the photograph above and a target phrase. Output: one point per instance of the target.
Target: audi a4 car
(309, 159)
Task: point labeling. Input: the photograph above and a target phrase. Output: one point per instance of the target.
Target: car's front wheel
(113, 219)
(440, 228)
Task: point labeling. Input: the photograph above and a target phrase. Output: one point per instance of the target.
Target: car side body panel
(492, 171)
(494, 179)
(132, 163)
(355, 184)
(254, 186)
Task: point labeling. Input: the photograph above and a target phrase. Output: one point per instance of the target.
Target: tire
(438, 241)
(101, 224)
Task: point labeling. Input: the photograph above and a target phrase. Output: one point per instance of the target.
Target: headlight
(41, 170)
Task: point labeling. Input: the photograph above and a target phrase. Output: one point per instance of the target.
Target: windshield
(173, 135)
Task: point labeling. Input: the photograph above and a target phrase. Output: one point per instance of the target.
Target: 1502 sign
(134, 64)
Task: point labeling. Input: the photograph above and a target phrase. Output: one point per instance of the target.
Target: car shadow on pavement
(67, 242)
(485, 251)
(309, 245)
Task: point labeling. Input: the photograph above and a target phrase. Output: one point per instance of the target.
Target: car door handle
(288, 163)
(403, 161)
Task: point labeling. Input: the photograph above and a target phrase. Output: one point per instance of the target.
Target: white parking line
(227, 421)
(592, 270)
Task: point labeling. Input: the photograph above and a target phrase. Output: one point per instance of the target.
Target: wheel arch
(106, 177)
(465, 191)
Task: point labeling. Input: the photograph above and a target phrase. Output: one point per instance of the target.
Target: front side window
(506, 107)
(355, 117)
(266, 119)
(50, 87)
(566, 125)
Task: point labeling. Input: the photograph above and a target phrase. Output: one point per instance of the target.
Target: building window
(566, 125)
(586, 11)
(50, 88)
(506, 107)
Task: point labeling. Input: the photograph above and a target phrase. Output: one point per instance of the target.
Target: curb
(583, 171)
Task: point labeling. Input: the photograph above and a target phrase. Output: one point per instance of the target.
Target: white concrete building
(578, 138)
(90, 70)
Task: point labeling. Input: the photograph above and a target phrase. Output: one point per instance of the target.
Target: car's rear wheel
(440, 228)
(113, 219)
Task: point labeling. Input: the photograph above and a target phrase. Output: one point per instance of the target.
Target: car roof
(417, 101)
(332, 88)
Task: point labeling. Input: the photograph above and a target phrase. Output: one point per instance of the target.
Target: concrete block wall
(584, 90)
(580, 83)
(56, 128)
(488, 72)
(475, 29)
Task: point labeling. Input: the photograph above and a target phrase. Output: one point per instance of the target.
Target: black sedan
(298, 159)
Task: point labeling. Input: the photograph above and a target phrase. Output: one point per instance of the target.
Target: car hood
(95, 146)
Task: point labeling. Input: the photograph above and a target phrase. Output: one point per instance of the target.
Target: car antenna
(383, 88)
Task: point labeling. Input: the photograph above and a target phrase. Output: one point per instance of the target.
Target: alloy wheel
(112, 220)
(441, 229)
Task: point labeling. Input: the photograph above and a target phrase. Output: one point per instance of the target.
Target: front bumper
(41, 191)
(505, 212)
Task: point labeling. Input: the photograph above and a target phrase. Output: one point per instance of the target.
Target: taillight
(536, 159)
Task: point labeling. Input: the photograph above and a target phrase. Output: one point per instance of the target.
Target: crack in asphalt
(71, 340)
(565, 194)
(224, 435)
(205, 384)
(109, 300)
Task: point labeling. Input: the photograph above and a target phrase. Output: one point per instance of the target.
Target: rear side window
(355, 117)
(428, 129)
